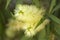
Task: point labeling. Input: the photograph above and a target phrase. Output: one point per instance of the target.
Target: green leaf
(1, 26)
(48, 31)
(57, 30)
(19, 2)
(2, 4)
(42, 35)
(2, 19)
(36, 2)
(1, 30)
(25, 38)
(7, 4)
(54, 18)
(56, 8)
(53, 3)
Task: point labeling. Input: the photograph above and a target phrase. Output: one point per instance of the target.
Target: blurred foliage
(53, 13)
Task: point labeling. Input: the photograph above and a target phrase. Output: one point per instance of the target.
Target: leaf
(2, 19)
(57, 30)
(56, 8)
(36, 2)
(1, 30)
(48, 31)
(2, 4)
(42, 35)
(25, 38)
(54, 18)
(7, 4)
(19, 2)
(53, 3)
(1, 26)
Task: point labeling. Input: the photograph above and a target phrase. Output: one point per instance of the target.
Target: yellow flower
(29, 14)
(13, 27)
(30, 32)
(26, 18)
(15, 24)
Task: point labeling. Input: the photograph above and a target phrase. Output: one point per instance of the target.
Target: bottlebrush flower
(26, 18)
(29, 14)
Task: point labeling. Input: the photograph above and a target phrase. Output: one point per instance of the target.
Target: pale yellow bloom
(16, 25)
(13, 27)
(30, 32)
(29, 14)
(26, 18)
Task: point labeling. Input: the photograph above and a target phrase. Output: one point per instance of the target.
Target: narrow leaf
(7, 4)
(36, 2)
(54, 18)
(56, 8)
(53, 3)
